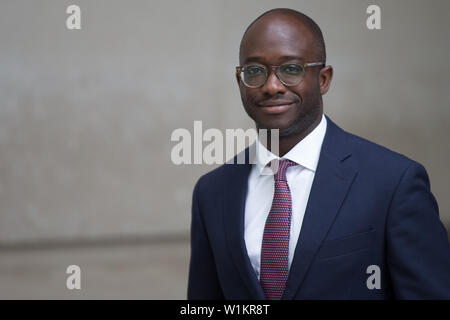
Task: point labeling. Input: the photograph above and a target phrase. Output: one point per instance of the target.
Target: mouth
(275, 107)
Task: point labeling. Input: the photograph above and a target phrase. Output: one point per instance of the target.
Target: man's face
(273, 41)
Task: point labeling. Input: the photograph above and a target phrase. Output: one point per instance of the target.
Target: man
(341, 218)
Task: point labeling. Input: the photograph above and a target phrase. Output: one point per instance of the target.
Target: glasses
(289, 74)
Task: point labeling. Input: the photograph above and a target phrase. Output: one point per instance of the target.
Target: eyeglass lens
(256, 75)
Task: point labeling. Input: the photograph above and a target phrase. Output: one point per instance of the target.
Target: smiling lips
(275, 107)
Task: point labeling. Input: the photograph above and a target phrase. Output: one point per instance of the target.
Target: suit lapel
(332, 181)
(235, 194)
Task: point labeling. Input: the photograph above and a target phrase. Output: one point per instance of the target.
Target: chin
(292, 127)
(284, 129)
(290, 131)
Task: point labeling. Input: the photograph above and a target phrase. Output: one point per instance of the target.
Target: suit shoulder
(374, 154)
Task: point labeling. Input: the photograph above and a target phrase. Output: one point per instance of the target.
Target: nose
(273, 84)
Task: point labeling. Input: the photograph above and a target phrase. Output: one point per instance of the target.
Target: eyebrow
(286, 58)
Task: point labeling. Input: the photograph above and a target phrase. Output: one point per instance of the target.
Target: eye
(254, 70)
(292, 69)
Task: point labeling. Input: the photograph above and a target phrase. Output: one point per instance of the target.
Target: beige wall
(86, 116)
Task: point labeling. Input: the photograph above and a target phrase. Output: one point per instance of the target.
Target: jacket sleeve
(418, 251)
(203, 282)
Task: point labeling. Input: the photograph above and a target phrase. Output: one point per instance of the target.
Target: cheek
(311, 88)
(306, 92)
(249, 96)
(243, 91)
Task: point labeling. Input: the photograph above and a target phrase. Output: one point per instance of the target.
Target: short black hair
(303, 18)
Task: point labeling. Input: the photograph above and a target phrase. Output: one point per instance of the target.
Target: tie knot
(279, 168)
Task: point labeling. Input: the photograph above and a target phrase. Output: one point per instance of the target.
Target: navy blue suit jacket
(368, 206)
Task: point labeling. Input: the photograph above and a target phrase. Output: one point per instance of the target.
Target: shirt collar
(306, 152)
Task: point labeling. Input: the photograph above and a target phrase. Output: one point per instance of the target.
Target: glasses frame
(240, 70)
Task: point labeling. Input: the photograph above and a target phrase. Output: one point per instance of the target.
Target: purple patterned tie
(275, 243)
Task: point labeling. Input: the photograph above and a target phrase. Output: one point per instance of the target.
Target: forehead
(271, 39)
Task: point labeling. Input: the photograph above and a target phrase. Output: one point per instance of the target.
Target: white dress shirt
(261, 190)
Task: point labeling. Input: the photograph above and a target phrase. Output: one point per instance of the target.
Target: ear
(238, 78)
(325, 76)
